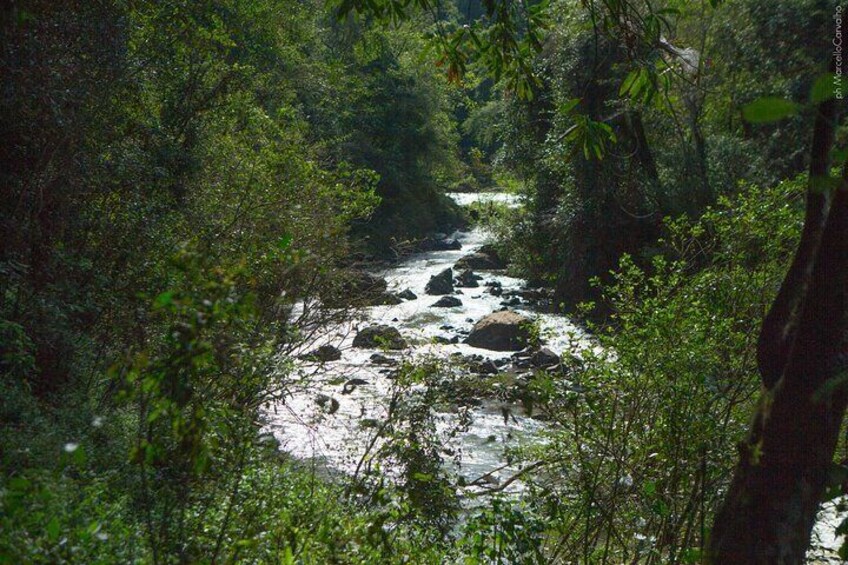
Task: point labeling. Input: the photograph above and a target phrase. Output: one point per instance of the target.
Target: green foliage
(769, 109)
(503, 532)
(647, 427)
(177, 176)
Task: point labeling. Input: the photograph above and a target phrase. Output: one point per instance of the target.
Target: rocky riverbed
(454, 304)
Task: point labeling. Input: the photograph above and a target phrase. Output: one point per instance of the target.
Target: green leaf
(824, 88)
(839, 155)
(692, 555)
(164, 299)
(568, 105)
(53, 528)
(661, 508)
(769, 109)
(19, 484)
(628, 81)
(284, 242)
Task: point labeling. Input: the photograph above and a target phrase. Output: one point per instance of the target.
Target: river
(303, 426)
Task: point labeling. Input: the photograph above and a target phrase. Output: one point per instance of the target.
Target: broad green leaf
(284, 242)
(839, 155)
(164, 299)
(769, 109)
(568, 105)
(824, 88)
(628, 81)
(53, 528)
(18, 484)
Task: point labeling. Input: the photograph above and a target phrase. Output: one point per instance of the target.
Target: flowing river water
(337, 438)
(302, 423)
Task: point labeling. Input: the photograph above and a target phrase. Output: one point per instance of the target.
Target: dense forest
(546, 281)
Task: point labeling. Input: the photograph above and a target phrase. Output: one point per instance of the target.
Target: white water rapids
(307, 431)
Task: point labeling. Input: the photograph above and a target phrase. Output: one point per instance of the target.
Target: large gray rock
(441, 283)
(500, 331)
(379, 336)
(485, 258)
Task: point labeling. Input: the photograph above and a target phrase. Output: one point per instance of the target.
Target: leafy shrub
(646, 431)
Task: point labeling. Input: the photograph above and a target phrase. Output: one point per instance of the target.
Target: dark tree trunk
(770, 509)
(643, 149)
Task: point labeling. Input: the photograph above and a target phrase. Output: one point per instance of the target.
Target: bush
(646, 431)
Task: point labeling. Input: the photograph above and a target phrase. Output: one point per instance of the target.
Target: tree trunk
(770, 509)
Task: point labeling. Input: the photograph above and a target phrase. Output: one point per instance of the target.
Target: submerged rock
(439, 242)
(494, 288)
(500, 331)
(350, 385)
(327, 403)
(441, 283)
(379, 336)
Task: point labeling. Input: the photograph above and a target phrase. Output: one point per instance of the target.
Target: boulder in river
(327, 403)
(351, 385)
(447, 245)
(379, 336)
(485, 258)
(500, 331)
(486, 367)
(447, 302)
(323, 354)
(407, 295)
(380, 359)
(439, 242)
(468, 279)
(385, 299)
(494, 288)
(441, 283)
(544, 358)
